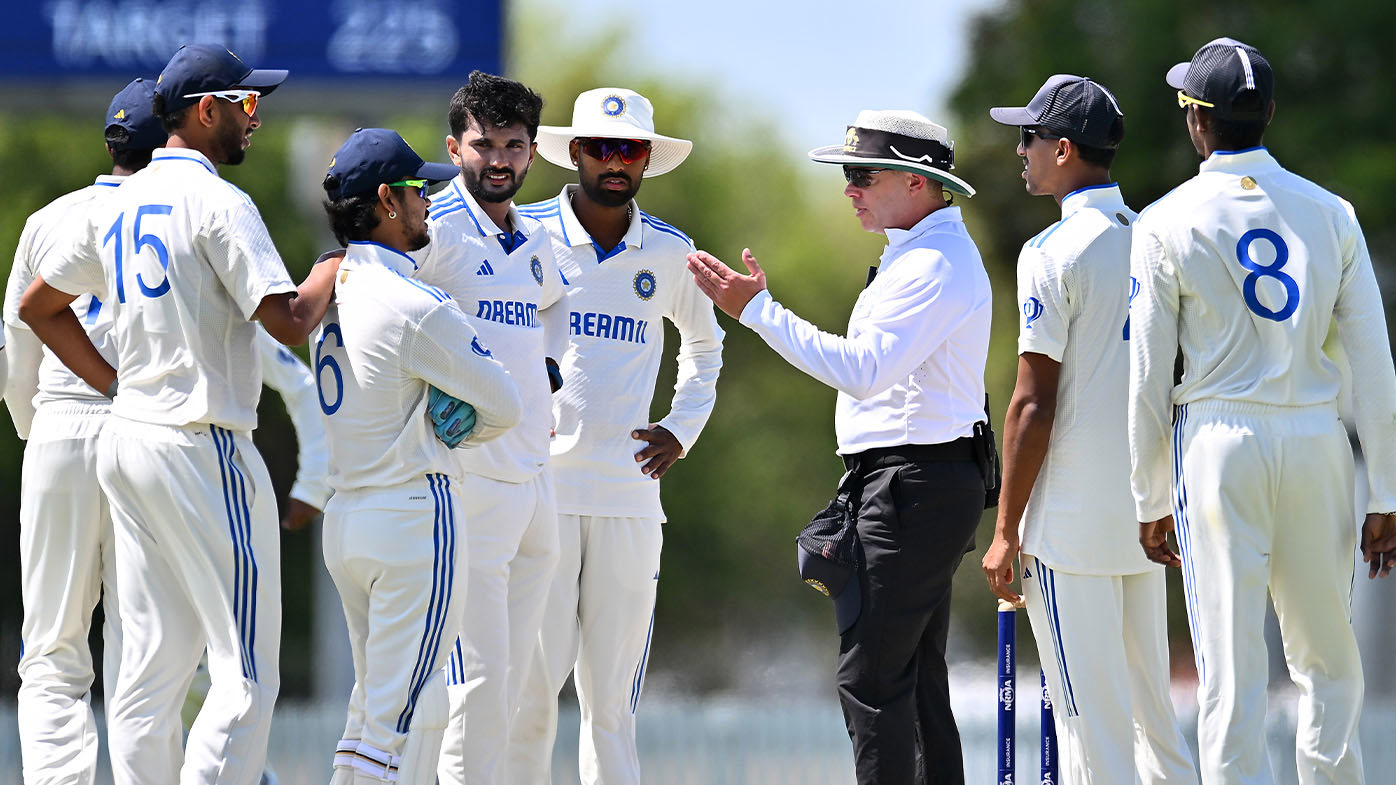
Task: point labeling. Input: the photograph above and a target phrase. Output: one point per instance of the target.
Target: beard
(419, 238)
(229, 141)
(605, 197)
(484, 191)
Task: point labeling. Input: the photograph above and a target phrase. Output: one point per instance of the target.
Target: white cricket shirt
(385, 338)
(37, 375)
(509, 288)
(911, 369)
(183, 260)
(1245, 267)
(1073, 297)
(617, 300)
(284, 372)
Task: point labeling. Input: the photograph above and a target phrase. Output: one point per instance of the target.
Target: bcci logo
(537, 268)
(613, 106)
(1032, 309)
(644, 284)
(1006, 696)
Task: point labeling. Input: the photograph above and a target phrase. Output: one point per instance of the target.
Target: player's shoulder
(665, 235)
(399, 292)
(547, 212)
(449, 206)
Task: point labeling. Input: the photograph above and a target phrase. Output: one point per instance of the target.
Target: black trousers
(916, 520)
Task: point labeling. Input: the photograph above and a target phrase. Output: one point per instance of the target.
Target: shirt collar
(483, 224)
(1099, 197)
(896, 238)
(575, 234)
(182, 154)
(110, 179)
(369, 252)
(1240, 161)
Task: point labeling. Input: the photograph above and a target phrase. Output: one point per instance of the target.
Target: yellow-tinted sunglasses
(1184, 99)
(248, 98)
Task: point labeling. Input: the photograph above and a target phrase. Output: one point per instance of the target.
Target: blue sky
(815, 63)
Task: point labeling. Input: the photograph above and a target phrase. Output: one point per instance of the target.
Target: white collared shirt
(514, 298)
(618, 299)
(1245, 267)
(911, 370)
(195, 262)
(1073, 307)
(385, 338)
(37, 376)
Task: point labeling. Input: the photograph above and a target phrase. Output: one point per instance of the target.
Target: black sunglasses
(1027, 132)
(858, 176)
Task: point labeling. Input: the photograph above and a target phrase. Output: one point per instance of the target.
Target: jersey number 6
(323, 361)
(1271, 270)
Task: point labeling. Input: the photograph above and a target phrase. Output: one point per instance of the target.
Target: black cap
(371, 157)
(828, 552)
(1223, 71)
(1074, 107)
(209, 68)
(132, 112)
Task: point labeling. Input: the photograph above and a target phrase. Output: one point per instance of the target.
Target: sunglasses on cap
(859, 177)
(248, 98)
(419, 185)
(1184, 99)
(629, 150)
(1027, 133)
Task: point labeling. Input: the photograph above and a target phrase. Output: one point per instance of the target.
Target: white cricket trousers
(398, 557)
(513, 544)
(67, 561)
(1103, 644)
(198, 564)
(1263, 499)
(600, 617)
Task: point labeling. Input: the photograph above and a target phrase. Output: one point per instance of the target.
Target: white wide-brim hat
(897, 139)
(612, 113)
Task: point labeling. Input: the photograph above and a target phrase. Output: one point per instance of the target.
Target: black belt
(962, 449)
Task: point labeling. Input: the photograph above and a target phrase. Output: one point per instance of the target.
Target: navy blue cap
(1075, 107)
(837, 581)
(1223, 71)
(209, 68)
(131, 111)
(371, 157)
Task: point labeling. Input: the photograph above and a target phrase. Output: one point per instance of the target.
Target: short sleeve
(238, 248)
(1044, 304)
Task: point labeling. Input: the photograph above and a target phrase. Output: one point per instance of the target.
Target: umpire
(910, 376)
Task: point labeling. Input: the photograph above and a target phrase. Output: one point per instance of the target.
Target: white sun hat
(612, 113)
(897, 139)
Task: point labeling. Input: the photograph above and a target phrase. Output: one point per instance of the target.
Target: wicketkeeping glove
(451, 418)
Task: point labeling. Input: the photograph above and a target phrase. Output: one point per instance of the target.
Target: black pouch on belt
(986, 453)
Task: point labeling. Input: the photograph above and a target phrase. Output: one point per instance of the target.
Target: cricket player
(184, 262)
(1096, 603)
(625, 272)
(498, 265)
(1245, 267)
(392, 530)
(66, 542)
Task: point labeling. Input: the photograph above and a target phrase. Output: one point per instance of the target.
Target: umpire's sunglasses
(1028, 132)
(629, 150)
(860, 177)
(248, 98)
(419, 185)
(1184, 99)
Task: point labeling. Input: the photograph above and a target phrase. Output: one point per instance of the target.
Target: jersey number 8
(1271, 270)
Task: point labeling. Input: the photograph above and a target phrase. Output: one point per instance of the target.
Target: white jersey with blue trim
(284, 372)
(1245, 267)
(618, 300)
(384, 339)
(183, 260)
(37, 375)
(509, 288)
(1073, 297)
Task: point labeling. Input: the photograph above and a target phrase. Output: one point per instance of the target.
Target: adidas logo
(485, 269)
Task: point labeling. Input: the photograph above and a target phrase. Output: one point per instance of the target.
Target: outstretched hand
(729, 289)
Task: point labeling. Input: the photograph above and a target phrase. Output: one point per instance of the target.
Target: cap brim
(835, 154)
(264, 80)
(1176, 74)
(1012, 115)
(666, 152)
(848, 606)
(436, 173)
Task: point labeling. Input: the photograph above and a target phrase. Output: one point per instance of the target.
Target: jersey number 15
(139, 241)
